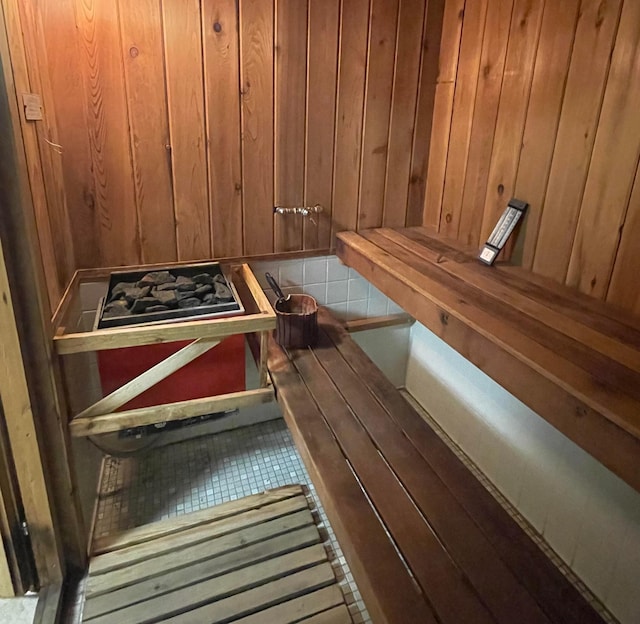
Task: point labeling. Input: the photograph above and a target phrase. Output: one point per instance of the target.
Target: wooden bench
(573, 360)
(426, 542)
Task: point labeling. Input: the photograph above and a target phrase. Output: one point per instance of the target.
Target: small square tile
(358, 289)
(315, 271)
(336, 271)
(290, 273)
(317, 291)
(357, 309)
(337, 292)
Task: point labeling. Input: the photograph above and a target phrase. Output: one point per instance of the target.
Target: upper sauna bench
(573, 360)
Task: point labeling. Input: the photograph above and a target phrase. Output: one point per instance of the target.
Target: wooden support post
(264, 346)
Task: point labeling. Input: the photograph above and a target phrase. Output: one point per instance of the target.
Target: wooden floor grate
(255, 560)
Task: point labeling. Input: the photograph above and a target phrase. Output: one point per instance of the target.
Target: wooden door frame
(30, 389)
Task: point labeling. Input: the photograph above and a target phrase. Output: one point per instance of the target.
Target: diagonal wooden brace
(149, 378)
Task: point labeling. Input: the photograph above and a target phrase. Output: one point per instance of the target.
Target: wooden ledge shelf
(573, 360)
(100, 416)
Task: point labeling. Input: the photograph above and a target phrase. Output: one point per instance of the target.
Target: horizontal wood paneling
(541, 109)
(184, 123)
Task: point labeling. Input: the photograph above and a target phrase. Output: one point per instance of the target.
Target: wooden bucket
(296, 322)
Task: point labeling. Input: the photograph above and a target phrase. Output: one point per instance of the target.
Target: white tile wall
(349, 296)
(341, 289)
(586, 514)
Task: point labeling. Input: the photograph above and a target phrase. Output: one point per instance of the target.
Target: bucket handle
(276, 288)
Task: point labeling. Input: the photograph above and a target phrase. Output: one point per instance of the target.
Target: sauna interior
(361, 151)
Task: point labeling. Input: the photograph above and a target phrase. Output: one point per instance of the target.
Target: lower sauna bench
(426, 542)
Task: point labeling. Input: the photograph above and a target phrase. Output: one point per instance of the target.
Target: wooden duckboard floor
(255, 560)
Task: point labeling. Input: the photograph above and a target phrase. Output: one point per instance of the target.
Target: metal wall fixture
(304, 211)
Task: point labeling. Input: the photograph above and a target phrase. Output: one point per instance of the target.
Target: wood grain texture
(442, 108)
(222, 93)
(290, 112)
(581, 106)
(256, 54)
(402, 120)
(47, 133)
(185, 96)
(424, 122)
(108, 130)
(143, 58)
(627, 266)
(613, 166)
(543, 115)
(602, 421)
(512, 110)
(377, 110)
(64, 48)
(492, 62)
(461, 119)
(17, 79)
(354, 28)
(322, 76)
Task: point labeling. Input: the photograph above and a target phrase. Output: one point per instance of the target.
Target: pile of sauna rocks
(160, 291)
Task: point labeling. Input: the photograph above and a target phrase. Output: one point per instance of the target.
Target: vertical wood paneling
(108, 129)
(321, 109)
(576, 133)
(492, 61)
(402, 122)
(47, 133)
(613, 164)
(34, 166)
(354, 28)
(256, 36)
(462, 117)
(543, 114)
(514, 97)
(282, 90)
(142, 51)
(379, 83)
(290, 108)
(63, 46)
(627, 267)
(222, 92)
(442, 109)
(185, 96)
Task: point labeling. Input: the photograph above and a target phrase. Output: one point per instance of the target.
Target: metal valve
(304, 211)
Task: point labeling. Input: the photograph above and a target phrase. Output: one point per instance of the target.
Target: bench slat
(445, 585)
(460, 538)
(386, 586)
(555, 595)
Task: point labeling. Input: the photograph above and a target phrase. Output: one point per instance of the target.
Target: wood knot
(448, 217)
(444, 318)
(500, 189)
(581, 411)
(486, 70)
(238, 186)
(217, 27)
(133, 52)
(593, 282)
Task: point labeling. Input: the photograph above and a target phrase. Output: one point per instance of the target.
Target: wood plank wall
(184, 122)
(539, 100)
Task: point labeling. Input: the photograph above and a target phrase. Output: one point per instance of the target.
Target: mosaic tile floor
(196, 474)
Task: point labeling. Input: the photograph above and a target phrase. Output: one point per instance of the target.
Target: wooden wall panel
(354, 29)
(256, 42)
(378, 89)
(442, 110)
(185, 95)
(545, 101)
(322, 76)
(402, 121)
(142, 52)
(222, 94)
(108, 130)
(184, 122)
(613, 164)
(576, 133)
(290, 106)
